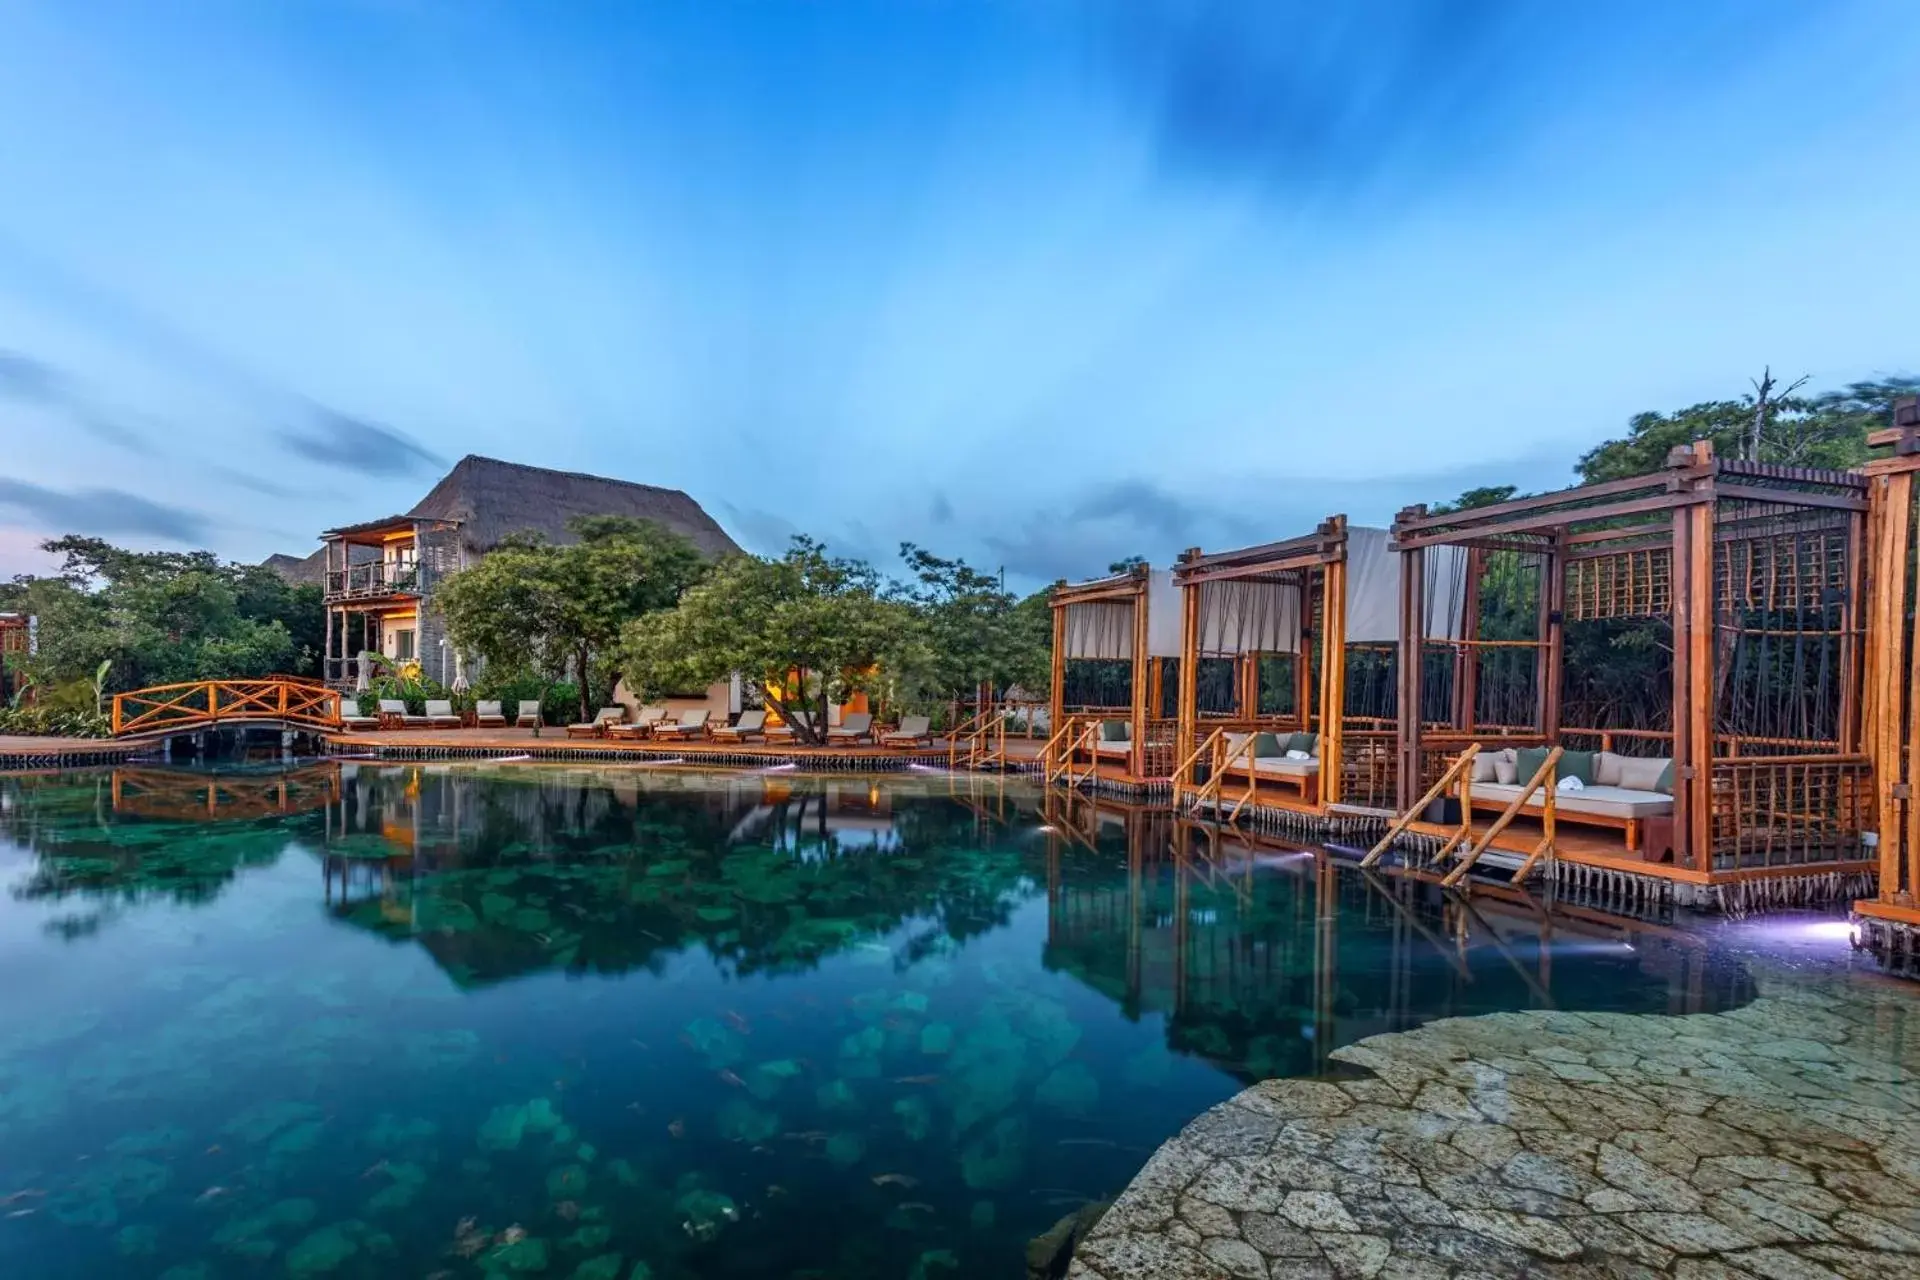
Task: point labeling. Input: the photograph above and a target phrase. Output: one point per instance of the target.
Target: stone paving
(1779, 1141)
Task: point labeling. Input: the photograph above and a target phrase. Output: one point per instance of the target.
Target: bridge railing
(208, 702)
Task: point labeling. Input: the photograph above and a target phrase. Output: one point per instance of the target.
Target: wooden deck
(1606, 850)
(555, 742)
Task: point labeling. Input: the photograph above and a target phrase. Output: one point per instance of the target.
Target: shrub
(560, 703)
(41, 720)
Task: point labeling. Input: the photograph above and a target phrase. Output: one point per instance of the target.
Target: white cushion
(1606, 768)
(1506, 769)
(1483, 766)
(1638, 774)
(1113, 749)
(1286, 768)
(1607, 802)
(1571, 783)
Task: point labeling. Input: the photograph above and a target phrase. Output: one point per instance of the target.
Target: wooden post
(1682, 629)
(1553, 599)
(1466, 678)
(1188, 711)
(1413, 624)
(1852, 623)
(1057, 711)
(1137, 684)
(1700, 668)
(1333, 673)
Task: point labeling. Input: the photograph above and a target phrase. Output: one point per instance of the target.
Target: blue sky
(1040, 282)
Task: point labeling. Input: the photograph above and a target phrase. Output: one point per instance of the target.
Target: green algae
(568, 1182)
(506, 1125)
(995, 1159)
(936, 1038)
(516, 1257)
(916, 1117)
(1070, 1088)
(604, 1267)
(741, 1121)
(323, 1251)
(845, 1149)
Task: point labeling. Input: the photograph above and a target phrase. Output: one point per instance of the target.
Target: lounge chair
(356, 721)
(597, 727)
(854, 728)
(643, 724)
(527, 714)
(488, 715)
(398, 707)
(913, 730)
(441, 715)
(783, 732)
(751, 724)
(691, 724)
(1625, 791)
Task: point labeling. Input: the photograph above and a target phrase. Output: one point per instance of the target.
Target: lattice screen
(1627, 584)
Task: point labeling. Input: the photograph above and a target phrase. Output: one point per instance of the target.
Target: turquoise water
(362, 1020)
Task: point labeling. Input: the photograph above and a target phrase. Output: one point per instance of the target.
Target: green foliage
(1825, 430)
(821, 617)
(159, 617)
(976, 631)
(41, 719)
(532, 606)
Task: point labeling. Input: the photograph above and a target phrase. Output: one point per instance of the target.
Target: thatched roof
(492, 499)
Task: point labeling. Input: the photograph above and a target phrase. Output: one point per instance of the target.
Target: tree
(157, 617)
(529, 603)
(977, 632)
(1127, 564)
(807, 627)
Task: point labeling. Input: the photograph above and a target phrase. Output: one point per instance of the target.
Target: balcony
(374, 580)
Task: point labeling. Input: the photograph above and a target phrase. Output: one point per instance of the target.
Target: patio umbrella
(360, 682)
(459, 684)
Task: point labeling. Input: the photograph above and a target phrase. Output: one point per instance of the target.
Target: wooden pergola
(1291, 599)
(1757, 573)
(1109, 620)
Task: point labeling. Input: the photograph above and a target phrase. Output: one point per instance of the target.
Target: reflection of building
(16, 640)
(1264, 958)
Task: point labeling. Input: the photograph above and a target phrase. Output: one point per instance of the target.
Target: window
(403, 645)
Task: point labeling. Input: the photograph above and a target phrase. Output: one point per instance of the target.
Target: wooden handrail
(1217, 776)
(1405, 820)
(1544, 774)
(201, 702)
(1180, 770)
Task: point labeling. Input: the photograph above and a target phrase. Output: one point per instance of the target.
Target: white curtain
(1373, 589)
(1249, 617)
(1100, 629)
(1163, 615)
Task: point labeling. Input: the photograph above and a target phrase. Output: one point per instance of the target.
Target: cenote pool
(362, 1020)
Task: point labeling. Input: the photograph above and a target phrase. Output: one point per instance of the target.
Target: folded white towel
(1299, 755)
(1572, 784)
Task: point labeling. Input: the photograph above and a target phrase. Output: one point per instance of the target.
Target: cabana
(1690, 638)
(1273, 637)
(1112, 641)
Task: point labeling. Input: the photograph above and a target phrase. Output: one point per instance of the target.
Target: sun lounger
(489, 716)
(855, 728)
(691, 724)
(359, 722)
(597, 727)
(398, 707)
(441, 715)
(913, 730)
(527, 714)
(642, 726)
(751, 724)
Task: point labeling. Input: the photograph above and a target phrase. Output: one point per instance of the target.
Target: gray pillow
(1505, 770)
(1483, 766)
(1641, 775)
(1606, 769)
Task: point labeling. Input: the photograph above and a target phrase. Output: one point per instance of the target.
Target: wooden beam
(1679, 702)
(1496, 513)
(1791, 497)
(1553, 596)
(1564, 519)
(1700, 672)
(1413, 613)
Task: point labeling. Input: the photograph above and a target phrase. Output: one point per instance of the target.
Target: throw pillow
(1575, 764)
(1641, 774)
(1267, 746)
(1606, 769)
(1527, 762)
(1665, 781)
(1505, 771)
(1115, 731)
(1307, 742)
(1483, 766)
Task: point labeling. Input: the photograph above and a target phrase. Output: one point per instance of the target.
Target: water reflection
(727, 1026)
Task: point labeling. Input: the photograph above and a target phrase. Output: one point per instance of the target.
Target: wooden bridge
(283, 701)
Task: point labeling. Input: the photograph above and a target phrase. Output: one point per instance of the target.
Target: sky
(1040, 283)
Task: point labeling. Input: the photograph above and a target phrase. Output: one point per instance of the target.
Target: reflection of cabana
(1737, 589)
(1111, 641)
(1262, 622)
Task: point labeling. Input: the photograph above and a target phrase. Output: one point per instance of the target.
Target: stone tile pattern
(1780, 1141)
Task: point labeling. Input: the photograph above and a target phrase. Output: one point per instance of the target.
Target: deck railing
(1773, 811)
(375, 578)
(209, 702)
(1543, 780)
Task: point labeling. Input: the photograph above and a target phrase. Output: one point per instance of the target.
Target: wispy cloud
(100, 511)
(29, 380)
(369, 448)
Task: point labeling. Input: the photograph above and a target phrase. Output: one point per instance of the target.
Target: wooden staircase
(1463, 844)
